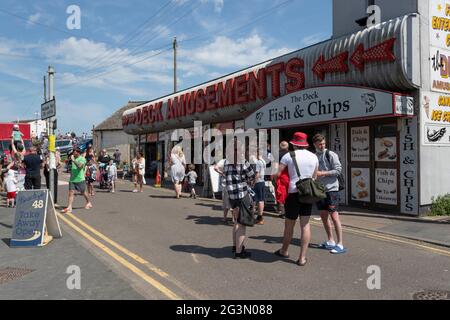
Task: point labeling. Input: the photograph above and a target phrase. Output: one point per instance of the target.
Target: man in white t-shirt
(260, 165)
(308, 166)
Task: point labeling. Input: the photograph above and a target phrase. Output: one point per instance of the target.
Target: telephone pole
(175, 64)
(51, 137)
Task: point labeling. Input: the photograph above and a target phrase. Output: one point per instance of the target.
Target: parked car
(84, 144)
(64, 146)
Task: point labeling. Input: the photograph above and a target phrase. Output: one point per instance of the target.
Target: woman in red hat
(307, 164)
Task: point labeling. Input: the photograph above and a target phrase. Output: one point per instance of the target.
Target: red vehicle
(6, 130)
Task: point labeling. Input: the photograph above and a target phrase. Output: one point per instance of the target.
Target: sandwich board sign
(35, 222)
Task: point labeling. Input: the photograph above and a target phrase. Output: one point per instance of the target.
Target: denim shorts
(331, 203)
(259, 191)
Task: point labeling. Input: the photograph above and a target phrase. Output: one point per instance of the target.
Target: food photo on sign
(360, 184)
(435, 108)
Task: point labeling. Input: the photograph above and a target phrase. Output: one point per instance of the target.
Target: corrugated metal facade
(400, 75)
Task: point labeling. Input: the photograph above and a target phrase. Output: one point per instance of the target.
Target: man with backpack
(329, 174)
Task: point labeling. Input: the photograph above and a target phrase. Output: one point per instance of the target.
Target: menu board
(386, 186)
(360, 184)
(360, 144)
(386, 149)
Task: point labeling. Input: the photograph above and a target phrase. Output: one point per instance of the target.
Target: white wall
(41, 127)
(112, 140)
(345, 12)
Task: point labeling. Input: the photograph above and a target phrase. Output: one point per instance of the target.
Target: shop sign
(386, 149)
(440, 70)
(360, 184)
(328, 104)
(360, 143)
(435, 110)
(409, 191)
(386, 186)
(152, 137)
(440, 23)
(338, 145)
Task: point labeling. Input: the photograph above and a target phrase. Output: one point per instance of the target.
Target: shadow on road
(214, 207)
(214, 221)
(162, 197)
(6, 225)
(272, 240)
(225, 253)
(7, 241)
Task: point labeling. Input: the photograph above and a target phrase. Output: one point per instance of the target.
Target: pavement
(432, 230)
(44, 273)
(152, 246)
(183, 249)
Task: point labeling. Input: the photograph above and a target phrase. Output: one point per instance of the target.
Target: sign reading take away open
(35, 222)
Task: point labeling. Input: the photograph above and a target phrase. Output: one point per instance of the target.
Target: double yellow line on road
(153, 282)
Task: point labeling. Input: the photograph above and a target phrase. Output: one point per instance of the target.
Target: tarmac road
(180, 249)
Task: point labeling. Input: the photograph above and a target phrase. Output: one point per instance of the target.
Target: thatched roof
(114, 122)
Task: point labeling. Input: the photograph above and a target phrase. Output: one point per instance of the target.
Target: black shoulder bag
(309, 190)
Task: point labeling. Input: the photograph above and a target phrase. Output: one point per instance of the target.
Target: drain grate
(432, 295)
(11, 274)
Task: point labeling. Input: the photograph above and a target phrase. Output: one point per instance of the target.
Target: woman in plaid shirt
(237, 177)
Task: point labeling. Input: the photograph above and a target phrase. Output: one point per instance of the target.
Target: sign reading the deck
(35, 214)
(328, 104)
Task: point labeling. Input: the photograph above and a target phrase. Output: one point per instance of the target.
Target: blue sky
(123, 50)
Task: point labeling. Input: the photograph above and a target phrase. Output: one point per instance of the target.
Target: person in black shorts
(307, 166)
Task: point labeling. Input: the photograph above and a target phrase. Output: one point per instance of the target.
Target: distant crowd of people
(239, 182)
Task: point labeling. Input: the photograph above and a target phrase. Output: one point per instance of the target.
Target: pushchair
(104, 183)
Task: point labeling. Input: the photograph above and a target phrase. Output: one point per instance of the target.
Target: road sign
(35, 219)
(48, 109)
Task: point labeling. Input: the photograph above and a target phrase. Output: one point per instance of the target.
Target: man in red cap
(306, 163)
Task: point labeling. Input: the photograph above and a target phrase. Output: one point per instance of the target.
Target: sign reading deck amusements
(368, 58)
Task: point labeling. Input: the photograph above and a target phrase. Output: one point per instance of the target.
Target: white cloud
(162, 31)
(224, 52)
(218, 5)
(313, 39)
(80, 117)
(34, 18)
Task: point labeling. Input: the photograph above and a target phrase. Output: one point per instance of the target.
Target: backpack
(340, 177)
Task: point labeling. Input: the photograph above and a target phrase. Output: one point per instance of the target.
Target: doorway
(288, 133)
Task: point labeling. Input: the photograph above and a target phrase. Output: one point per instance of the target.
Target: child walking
(11, 188)
(111, 169)
(192, 180)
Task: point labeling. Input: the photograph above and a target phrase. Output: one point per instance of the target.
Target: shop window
(386, 143)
